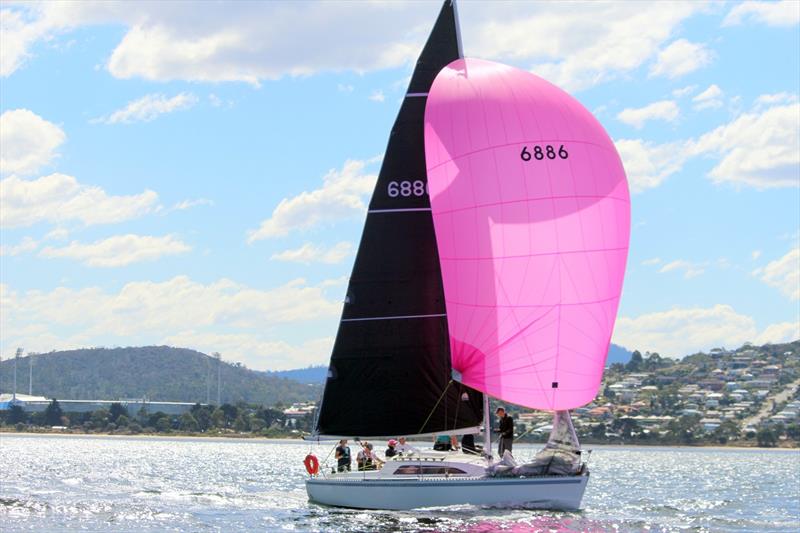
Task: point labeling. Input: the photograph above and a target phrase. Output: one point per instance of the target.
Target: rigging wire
(516, 439)
(435, 406)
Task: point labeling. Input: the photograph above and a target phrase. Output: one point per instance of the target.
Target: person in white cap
(403, 448)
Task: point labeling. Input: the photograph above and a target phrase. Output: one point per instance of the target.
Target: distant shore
(173, 435)
(784, 445)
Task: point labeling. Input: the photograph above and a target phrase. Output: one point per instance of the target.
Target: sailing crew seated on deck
(445, 443)
(390, 450)
(343, 459)
(367, 459)
(403, 448)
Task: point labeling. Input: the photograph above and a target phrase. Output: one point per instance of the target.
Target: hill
(160, 373)
(618, 354)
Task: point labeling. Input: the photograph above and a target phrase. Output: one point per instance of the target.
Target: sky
(196, 174)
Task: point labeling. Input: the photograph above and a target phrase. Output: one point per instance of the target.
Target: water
(58, 483)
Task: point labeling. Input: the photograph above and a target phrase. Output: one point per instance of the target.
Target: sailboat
(491, 264)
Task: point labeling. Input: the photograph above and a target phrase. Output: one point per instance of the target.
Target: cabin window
(415, 470)
(441, 470)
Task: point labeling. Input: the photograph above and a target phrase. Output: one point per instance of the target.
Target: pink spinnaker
(532, 217)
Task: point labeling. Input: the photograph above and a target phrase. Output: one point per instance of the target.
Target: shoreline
(245, 437)
(56, 433)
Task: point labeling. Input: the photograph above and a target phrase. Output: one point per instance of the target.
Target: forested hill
(160, 373)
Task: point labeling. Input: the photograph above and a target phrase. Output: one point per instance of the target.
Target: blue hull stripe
(411, 484)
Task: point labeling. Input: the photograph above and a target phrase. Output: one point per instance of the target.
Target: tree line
(225, 418)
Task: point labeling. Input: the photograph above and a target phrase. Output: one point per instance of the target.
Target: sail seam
(400, 210)
(541, 199)
(522, 256)
(450, 302)
(398, 317)
(416, 95)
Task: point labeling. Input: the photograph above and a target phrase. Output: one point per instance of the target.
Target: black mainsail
(390, 368)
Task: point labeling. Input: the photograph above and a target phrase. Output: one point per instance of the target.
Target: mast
(487, 429)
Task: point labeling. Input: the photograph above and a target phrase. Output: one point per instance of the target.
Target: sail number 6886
(407, 188)
(548, 152)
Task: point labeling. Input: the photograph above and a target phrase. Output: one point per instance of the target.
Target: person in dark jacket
(391, 451)
(506, 431)
(468, 443)
(343, 460)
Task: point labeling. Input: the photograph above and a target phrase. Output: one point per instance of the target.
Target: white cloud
(336, 282)
(341, 196)
(652, 261)
(198, 41)
(27, 141)
(578, 48)
(711, 98)
(666, 110)
(684, 91)
(27, 244)
(575, 48)
(647, 165)
(681, 57)
(377, 96)
(308, 253)
(755, 254)
(345, 88)
(59, 198)
(690, 269)
(780, 332)
(761, 150)
(148, 108)
(119, 250)
(783, 274)
(188, 204)
(148, 312)
(784, 13)
(769, 100)
(57, 234)
(17, 35)
(682, 331)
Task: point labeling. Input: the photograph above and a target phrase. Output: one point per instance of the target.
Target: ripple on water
(213, 485)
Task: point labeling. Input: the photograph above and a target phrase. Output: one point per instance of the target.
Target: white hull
(552, 492)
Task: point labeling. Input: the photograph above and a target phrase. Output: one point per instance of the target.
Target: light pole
(208, 380)
(30, 375)
(16, 359)
(219, 376)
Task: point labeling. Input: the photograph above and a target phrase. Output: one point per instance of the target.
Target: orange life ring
(312, 464)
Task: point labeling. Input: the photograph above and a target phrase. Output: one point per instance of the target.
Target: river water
(59, 483)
